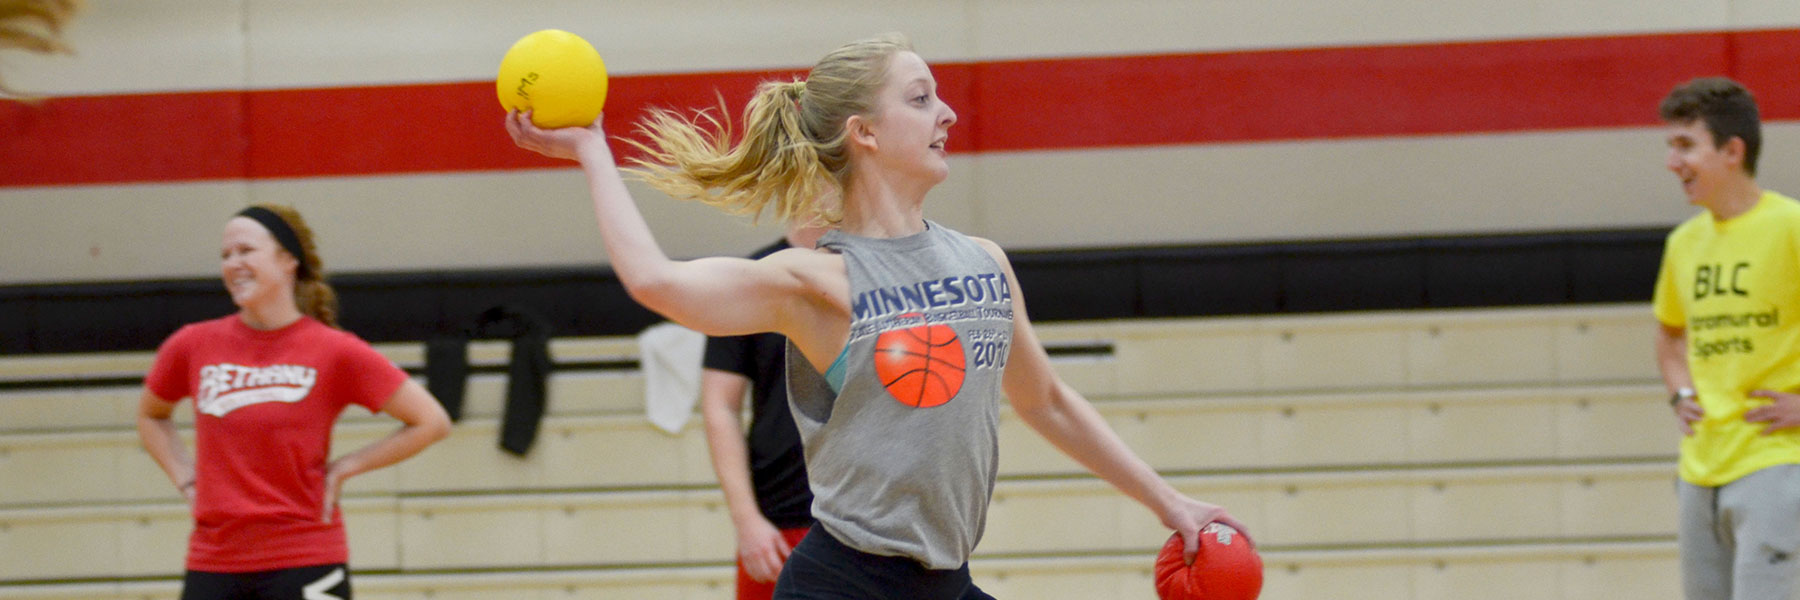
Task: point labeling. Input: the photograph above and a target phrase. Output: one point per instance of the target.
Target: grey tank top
(902, 461)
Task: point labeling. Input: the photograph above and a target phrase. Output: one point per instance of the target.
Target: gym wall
(1146, 124)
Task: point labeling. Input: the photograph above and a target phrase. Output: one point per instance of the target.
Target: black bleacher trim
(70, 383)
(1543, 268)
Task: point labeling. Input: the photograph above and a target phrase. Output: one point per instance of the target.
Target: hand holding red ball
(1227, 567)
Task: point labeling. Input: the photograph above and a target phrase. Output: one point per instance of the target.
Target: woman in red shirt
(268, 382)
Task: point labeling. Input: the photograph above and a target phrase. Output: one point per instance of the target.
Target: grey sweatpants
(1741, 541)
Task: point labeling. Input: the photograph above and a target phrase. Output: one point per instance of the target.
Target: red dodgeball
(1226, 568)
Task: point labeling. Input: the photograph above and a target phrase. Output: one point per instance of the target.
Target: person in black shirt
(763, 472)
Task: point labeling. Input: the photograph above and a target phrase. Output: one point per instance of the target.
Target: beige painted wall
(1149, 195)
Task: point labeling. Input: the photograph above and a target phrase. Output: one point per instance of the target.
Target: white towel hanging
(670, 356)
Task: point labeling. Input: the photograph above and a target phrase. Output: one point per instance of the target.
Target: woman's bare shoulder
(806, 259)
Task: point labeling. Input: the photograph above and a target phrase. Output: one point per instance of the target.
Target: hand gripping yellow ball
(556, 75)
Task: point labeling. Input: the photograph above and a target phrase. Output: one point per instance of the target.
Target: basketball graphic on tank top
(920, 366)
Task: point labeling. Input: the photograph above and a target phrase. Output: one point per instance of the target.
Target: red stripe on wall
(1332, 93)
(447, 127)
(155, 137)
(1764, 61)
(1023, 105)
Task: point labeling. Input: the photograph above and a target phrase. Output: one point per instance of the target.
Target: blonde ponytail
(793, 155)
(774, 167)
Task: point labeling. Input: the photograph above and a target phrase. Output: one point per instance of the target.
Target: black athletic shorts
(823, 568)
(323, 582)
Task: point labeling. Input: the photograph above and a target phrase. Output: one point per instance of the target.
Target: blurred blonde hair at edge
(33, 26)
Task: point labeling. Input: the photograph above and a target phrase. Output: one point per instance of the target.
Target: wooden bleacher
(1419, 454)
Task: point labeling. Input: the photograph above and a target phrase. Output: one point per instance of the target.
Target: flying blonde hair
(34, 26)
(793, 157)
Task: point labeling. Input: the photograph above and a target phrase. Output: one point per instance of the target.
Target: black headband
(283, 233)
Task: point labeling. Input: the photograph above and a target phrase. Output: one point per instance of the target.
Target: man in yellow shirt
(1728, 300)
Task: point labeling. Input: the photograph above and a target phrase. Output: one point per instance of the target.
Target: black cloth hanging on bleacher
(447, 370)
